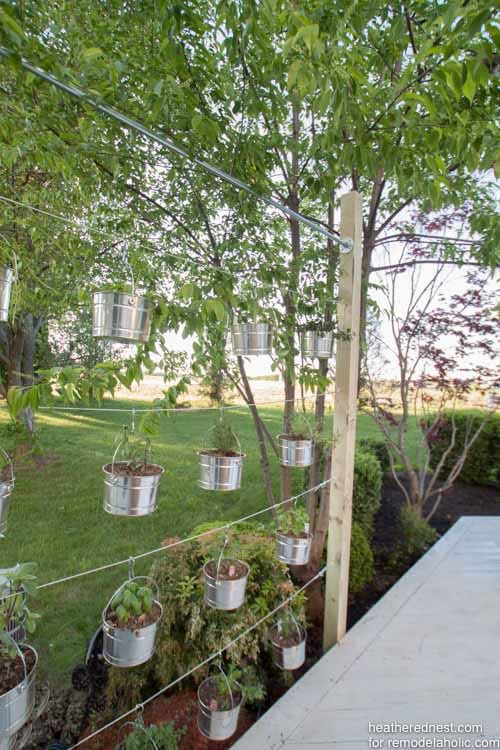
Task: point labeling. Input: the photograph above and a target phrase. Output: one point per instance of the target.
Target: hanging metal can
(293, 550)
(121, 317)
(214, 723)
(292, 655)
(252, 339)
(17, 704)
(317, 344)
(124, 647)
(225, 593)
(6, 281)
(130, 495)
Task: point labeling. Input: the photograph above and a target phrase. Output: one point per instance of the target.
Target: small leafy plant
(17, 584)
(163, 737)
(223, 436)
(287, 627)
(133, 602)
(293, 522)
(134, 449)
(239, 683)
(299, 428)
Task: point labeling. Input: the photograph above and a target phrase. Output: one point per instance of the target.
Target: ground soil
(462, 500)
(124, 469)
(229, 570)
(12, 672)
(182, 709)
(135, 623)
(221, 454)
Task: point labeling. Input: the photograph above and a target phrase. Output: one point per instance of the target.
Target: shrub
(367, 490)
(190, 630)
(482, 464)
(417, 535)
(361, 568)
(379, 449)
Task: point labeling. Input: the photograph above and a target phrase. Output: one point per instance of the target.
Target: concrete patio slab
(427, 653)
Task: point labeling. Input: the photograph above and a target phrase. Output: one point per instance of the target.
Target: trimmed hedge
(379, 450)
(482, 464)
(361, 569)
(367, 490)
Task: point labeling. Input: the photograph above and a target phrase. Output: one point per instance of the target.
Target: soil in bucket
(218, 700)
(296, 436)
(124, 469)
(6, 475)
(135, 622)
(229, 570)
(287, 641)
(294, 534)
(12, 671)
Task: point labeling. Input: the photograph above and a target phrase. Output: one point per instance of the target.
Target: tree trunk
(261, 437)
(17, 355)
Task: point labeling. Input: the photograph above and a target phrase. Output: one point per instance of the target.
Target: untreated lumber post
(344, 423)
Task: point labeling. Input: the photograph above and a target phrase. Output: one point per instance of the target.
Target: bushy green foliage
(367, 490)
(223, 437)
(16, 585)
(163, 737)
(361, 569)
(190, 630)
(379, 449)
(133, 600)
(483, 460)
(417, 535)
(133, 448)
(293, 521)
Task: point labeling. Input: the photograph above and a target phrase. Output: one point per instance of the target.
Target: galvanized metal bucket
(296, 452)
(129, 648)
(224, 594)
(6, 280)
(317, 344)
(130, 495)
(5, 493)
(289, 657)
(251, 339)
(217, 724)
(293, 550)
(6, 487)
(121, 317)
(221, 473)
(16, 706)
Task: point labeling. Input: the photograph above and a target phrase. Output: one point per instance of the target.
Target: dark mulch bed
(462, 500)
(182, 709)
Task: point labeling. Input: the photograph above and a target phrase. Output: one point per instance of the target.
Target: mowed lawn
(57, 520)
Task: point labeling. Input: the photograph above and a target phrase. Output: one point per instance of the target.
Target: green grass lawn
(56, 517)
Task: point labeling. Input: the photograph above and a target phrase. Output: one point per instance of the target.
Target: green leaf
(469, 87)
(92, 53)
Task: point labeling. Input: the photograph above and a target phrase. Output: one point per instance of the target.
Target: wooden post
(344, 423)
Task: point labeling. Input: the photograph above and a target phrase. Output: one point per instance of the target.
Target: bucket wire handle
(295, 622)
(219, 561)
(121, 441)
(228, 684)
(9, 461)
